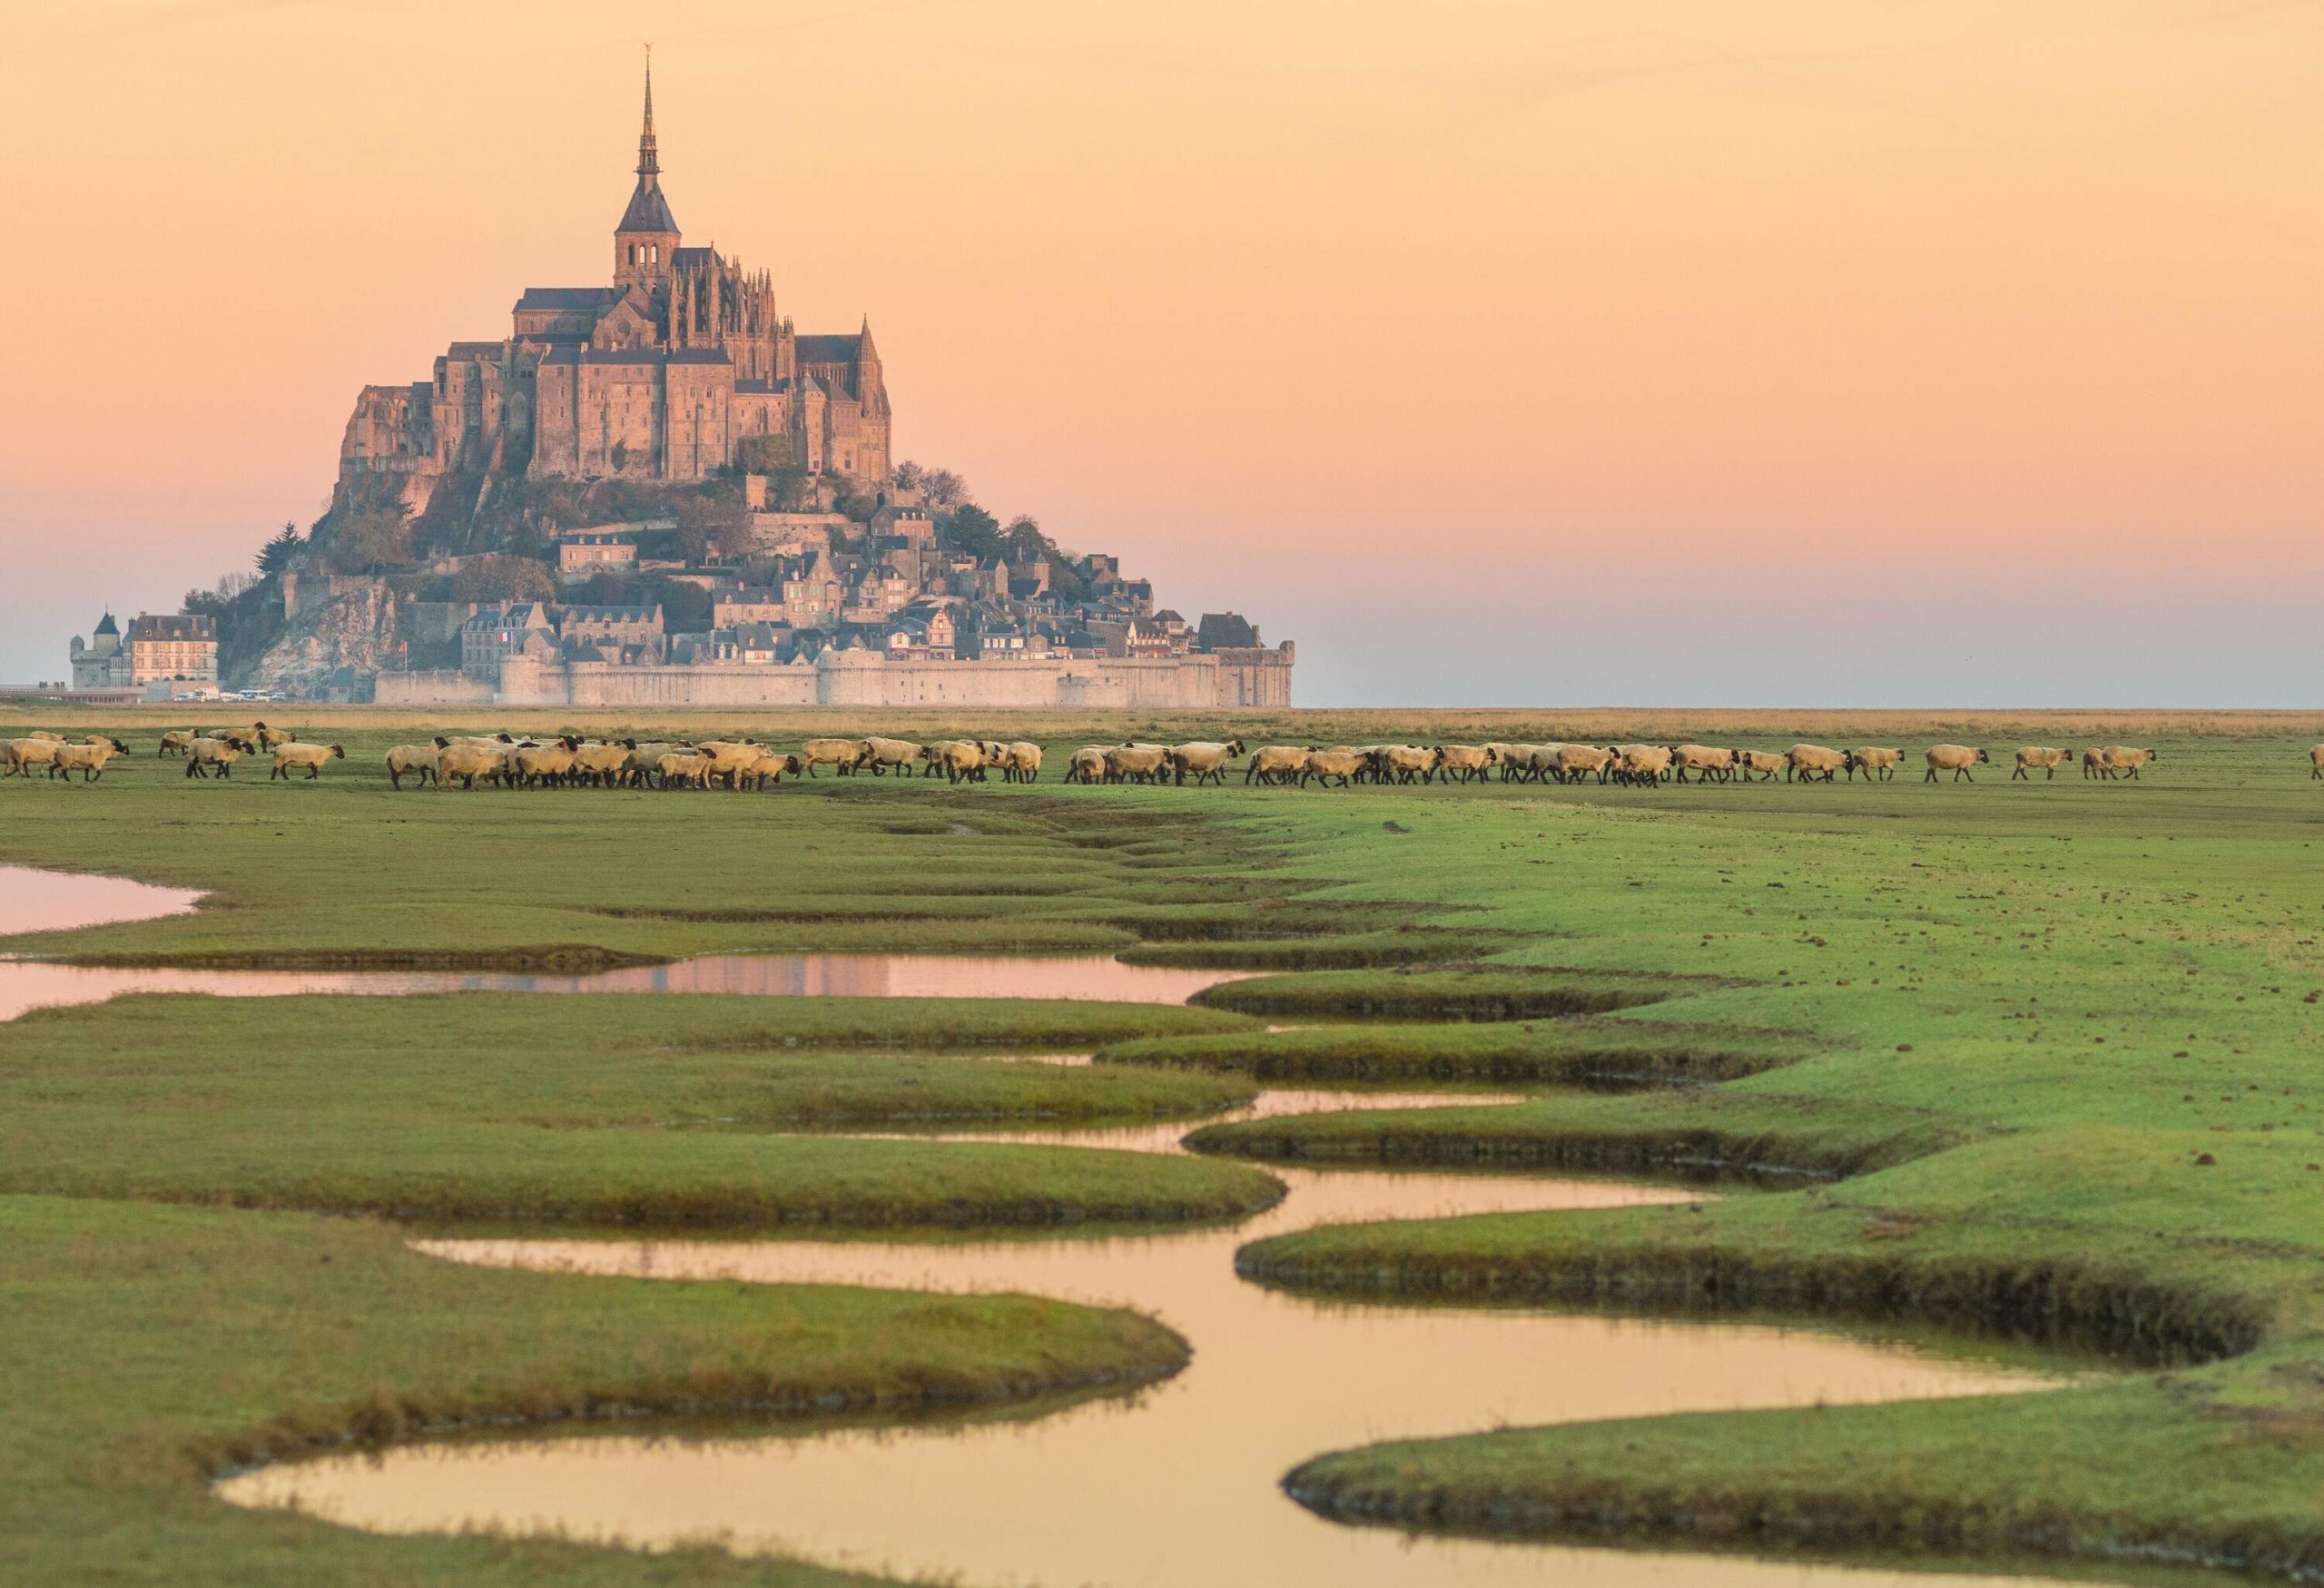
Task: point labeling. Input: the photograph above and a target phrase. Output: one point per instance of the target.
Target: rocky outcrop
(334, 623)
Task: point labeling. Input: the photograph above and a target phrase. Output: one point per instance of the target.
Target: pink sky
(1837, 352)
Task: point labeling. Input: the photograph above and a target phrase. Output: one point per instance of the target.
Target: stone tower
(648, 234)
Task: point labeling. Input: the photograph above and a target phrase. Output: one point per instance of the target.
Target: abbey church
(681, 367)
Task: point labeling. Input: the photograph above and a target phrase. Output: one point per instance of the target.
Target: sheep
(417, 761)
(644, 762)
(846, 754)
(1401, 763)
(53, 738)
(88, 759)
(465, 763)
(206, 756)
(768, 766)
(1575, 762)
(1504, 757)
(1137, 763)
(1812, 763)
(684, 768)
(601, 763)
(22, 754)
(287, 755)
(1958, 759)
(1324, 765)
(2117, 760)
(1461, 762)
(1713, 762)
(1637, 765)
(962, 760)
(1766, 763)
(1207, 759)
(1087, 764)
(1275, 764)
(532, 766)
(2044, 758)
(888, 755)
(178, 740)
(1875, 762)
(1537, 763)
(2316, 762)
(1021, 762)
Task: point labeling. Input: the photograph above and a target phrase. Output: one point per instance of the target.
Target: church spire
(647, 237)
(649, 159)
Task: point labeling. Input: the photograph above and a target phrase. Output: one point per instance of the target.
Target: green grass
(151, 1348)
(2046, 1054)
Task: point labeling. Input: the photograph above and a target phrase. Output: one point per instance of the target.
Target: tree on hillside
(973, 530)
(276, 554)
(709, 526)
(502, 578)
(372, 543)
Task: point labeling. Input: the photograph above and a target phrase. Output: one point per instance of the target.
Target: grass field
(2038, 1060)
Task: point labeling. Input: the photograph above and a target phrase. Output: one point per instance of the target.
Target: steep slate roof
(648, 210)
(564, 298)
(829, 349)
(699, 356)
(199, 627)
(1226, 630)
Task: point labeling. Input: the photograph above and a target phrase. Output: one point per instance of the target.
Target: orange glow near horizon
(1446, 341)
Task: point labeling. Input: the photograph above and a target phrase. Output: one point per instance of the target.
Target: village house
(578, 556)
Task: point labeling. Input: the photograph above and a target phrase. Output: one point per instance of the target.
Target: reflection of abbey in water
(680, 367)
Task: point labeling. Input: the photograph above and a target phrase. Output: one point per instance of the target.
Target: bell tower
(648, 234)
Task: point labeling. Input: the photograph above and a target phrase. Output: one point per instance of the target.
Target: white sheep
(287, 757)
(1713, 762)
(416, 761)
(1205, 759)
(88, 758)
(1021, 762)
(1875, 762)
(1087, 764)
(2042, 758)
(1813, 763)
(1324, 765)
(1958, 759)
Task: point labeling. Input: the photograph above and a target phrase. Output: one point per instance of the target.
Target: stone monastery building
(680, 367)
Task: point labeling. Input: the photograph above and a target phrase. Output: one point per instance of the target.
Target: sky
(1808, 352)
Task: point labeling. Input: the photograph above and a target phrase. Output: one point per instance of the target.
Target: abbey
(681, 367)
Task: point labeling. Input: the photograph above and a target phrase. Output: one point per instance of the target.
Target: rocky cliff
(337, 622)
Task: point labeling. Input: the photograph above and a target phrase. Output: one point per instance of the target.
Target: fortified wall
(1236, 680)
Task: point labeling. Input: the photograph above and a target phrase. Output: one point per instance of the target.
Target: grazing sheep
(1813, 763)
(600, 765)
(1205, 759)
(1765, 763)
(536, 766)
(2116, 760)
(177, 741)
(204, 756)
(1138, 763)
(1087, 764)
(1461, 762)
(24, 754)
(771, 766)
(1958, 759)
(287, 755)
(1275, 764)
(88, 759)
(1875, 762)
(1714, 764)
(683, 769)
(1575, 762)
(417, 761)
(1637, 765)
(2042, 758)
(465, 763)
(961, 760)
(883, 756)
(1324, 765)
(846, 754)
(1021, 762)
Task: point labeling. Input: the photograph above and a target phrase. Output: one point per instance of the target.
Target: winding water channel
(1174, 1486)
